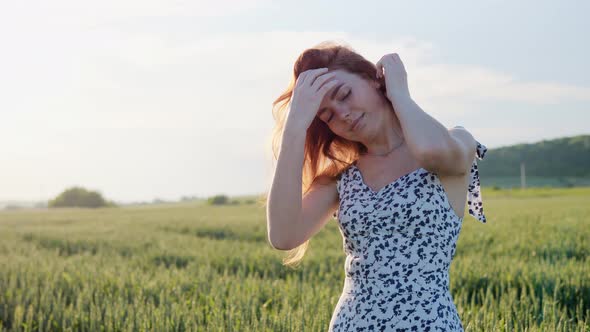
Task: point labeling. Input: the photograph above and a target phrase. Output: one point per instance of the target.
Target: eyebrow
(332, 96)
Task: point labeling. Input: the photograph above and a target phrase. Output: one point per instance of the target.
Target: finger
(320, 80)
(313, 74)
(401, 63)
(381, 66)
(303, 75)
(327, 87)
(385, 62)
(397, 61)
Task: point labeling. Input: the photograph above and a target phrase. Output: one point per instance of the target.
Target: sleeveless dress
(399, 243)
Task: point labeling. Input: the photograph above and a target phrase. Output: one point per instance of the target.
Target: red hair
(326, 154)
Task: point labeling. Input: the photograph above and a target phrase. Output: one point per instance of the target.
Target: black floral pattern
(399, 243)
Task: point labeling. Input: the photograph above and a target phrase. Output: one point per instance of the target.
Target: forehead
(344, 79)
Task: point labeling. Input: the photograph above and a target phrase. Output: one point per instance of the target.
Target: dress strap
(474, 199)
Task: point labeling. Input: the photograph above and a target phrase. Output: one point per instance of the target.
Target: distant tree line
(568, 156)
(225, 200)
(80, 197)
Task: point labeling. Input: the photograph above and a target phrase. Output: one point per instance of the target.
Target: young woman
(394, 177)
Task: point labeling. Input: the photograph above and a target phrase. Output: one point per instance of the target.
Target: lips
(356, 122)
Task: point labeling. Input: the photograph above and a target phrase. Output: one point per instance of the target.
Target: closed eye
(348, 94)
(332, 115)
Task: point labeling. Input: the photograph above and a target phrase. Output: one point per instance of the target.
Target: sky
(162, 99)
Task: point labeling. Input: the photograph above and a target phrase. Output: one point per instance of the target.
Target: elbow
(279, 245)
(280, 238)
(279, 241)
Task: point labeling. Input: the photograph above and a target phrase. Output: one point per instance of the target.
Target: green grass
(193, 267)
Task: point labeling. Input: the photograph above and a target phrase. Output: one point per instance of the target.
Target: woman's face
(351, 99)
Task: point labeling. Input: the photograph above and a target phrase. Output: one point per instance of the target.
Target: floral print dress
(399, 243)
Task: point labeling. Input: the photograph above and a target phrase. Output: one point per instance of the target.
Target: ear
(375, 84)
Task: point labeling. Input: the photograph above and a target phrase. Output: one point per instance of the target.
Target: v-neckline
(373, 192)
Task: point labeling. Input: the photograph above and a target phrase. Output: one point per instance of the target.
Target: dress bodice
(409, 219)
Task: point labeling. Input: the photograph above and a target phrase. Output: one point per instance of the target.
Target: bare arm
(291, 219)
(289, 226)
(427, 138)
(284, 198)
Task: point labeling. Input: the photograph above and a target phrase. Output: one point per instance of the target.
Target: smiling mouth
(355, 123)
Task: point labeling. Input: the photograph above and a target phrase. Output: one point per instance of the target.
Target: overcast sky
(160, 99)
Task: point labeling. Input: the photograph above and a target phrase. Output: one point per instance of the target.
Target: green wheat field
(198, 267)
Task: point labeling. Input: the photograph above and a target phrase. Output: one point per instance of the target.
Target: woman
(354, 140)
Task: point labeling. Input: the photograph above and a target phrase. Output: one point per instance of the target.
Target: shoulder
(330, 180)
(462, 134)
(325, 179)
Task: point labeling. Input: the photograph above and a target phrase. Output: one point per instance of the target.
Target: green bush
(218, 200)
(79, 197)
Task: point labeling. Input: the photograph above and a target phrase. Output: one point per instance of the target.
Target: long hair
(326, 154)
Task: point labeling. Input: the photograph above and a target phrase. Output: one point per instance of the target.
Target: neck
(389, 138)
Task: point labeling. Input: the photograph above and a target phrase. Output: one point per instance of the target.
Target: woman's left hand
(396, 78)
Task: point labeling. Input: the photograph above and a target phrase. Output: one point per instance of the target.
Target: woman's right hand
(309, 91)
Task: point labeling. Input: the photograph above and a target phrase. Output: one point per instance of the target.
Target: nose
(342, 111)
